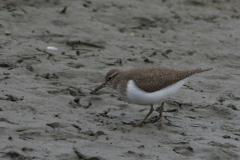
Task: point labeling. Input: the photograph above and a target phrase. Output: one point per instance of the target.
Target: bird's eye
(109, 78)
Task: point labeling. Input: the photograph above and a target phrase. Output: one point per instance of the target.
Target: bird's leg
(160, 114)
(150, 111)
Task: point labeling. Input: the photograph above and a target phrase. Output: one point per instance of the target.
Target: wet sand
(50, 61)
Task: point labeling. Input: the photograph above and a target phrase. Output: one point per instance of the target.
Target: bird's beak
(100, 87)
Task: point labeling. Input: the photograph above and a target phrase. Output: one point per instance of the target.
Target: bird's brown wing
(151, 79)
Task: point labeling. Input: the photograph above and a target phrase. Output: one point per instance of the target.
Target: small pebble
(226, 136)
(141, 146)
(7, 33)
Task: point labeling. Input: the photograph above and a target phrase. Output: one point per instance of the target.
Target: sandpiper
(148, 85)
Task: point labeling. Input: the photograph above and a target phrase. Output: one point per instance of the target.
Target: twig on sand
(75, 43)
(23, 10)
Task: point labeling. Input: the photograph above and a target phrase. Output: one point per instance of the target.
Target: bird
(147, 85)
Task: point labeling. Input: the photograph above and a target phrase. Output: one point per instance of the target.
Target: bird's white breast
(138, 96)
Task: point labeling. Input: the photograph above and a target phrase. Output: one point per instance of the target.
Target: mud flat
(50, 61)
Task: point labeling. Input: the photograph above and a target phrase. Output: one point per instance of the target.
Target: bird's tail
(199, 70)
(189, 73)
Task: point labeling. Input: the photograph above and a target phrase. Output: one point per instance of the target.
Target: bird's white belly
(138, 96)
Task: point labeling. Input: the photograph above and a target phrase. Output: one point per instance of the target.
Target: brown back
(151, 79)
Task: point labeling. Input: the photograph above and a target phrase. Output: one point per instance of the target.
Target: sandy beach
(51, 59)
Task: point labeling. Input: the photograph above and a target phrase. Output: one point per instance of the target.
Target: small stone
(168, 51)
(7, 33)
(226, 136)
(141, 146)
(77, 99)
(85, 5)
(190, 149)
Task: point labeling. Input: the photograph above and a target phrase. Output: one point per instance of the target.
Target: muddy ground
(50, 61)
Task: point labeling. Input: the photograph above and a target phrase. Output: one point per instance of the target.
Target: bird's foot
(161, 116)
(157, 118)
(166, 118)
(138, 124)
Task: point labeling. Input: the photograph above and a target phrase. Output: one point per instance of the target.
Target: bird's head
(110, 80)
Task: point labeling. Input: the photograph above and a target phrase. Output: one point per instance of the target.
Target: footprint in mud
(30, 134)
(27, 149)
(4, 64)
(16, 155)
(8, 65)
(30, 68)
(135, 155)
(75, 65)
(59, 23)
(222, 145)
(7, 121)
(73, 91)
(59, 92)
(58, 125)
(145, 23)
(183, 150)
(77, 103)
(233, 107)
(27, 108)
(13, 98)
(47, 76)
(82, 156)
